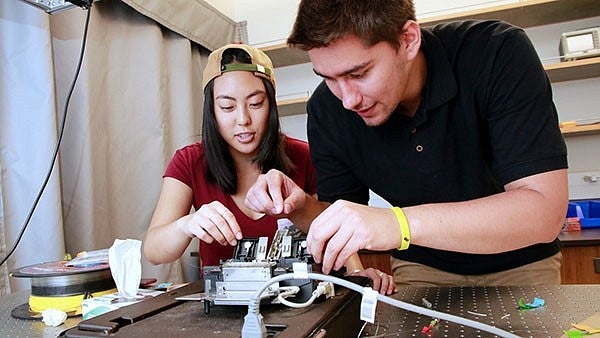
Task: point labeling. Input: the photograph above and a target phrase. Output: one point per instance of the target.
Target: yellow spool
(68, 304)
(59, 286)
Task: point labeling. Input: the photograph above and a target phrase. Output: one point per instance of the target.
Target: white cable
(286, 291)
(320, 290)
(254, 306)
(286, 302)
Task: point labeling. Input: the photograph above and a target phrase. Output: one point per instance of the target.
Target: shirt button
(419, 148)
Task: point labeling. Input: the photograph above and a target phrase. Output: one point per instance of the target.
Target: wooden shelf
(526, 13)
(281, 55)
(580, 130)
(294, 106)
(573, 70)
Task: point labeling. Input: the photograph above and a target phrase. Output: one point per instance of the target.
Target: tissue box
(93, 307)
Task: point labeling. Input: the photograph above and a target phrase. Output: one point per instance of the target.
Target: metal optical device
(579, 44)
(236, 280)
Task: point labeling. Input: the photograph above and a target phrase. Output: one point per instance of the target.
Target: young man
(453, 125)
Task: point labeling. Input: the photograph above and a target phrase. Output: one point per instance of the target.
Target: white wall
(270, 22)
(226, 7)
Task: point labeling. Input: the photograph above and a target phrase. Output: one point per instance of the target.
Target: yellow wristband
(404, 229)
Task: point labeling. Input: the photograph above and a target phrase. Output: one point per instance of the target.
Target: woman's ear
(410, 39)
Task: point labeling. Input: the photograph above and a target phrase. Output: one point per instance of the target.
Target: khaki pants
(543, 272)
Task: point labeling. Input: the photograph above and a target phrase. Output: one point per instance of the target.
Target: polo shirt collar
(440, 86)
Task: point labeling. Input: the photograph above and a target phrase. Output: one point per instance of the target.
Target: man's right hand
(275, 194)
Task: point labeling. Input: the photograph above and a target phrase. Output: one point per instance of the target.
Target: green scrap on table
(586, 328)
(537, 302)
(574, 333)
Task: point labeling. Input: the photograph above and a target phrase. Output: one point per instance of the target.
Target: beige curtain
(195, 19)
(138, 98)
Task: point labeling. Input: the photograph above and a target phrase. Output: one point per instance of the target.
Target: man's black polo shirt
(486, 118)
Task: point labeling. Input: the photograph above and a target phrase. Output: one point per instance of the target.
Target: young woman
(241, 139)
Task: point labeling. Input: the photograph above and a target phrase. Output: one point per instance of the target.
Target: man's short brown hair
(321, 22)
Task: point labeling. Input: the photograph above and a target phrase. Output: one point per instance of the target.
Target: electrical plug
(254, 326)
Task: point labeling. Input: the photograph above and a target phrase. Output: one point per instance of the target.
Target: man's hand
(275, 194)
(344, 228)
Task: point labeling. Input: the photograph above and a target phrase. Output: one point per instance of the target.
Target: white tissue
(124, 258)
(53, 317)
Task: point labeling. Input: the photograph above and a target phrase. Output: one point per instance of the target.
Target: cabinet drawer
(581, 265)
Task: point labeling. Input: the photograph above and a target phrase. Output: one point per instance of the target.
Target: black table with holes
(496, 306)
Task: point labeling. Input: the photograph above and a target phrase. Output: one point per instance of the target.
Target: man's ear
(410, 40)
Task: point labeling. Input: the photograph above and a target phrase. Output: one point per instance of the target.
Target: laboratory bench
(576, 300)
(163, 316)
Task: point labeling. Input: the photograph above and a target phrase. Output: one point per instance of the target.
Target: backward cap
(261, 64)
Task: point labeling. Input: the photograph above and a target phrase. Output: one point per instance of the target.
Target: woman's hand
(212, 222)
(275, 194)
(381, 281)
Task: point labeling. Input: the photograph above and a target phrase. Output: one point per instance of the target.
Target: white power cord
(285, 302)
(324, 288)
(286, 291)
(254, 326)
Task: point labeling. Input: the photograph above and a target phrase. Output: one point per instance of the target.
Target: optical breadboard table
(11, 327)
(164, 316)
(496, 306)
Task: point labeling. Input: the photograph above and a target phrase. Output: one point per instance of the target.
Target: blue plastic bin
(588, 212)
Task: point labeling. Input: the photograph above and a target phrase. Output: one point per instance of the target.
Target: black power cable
(88, 6)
